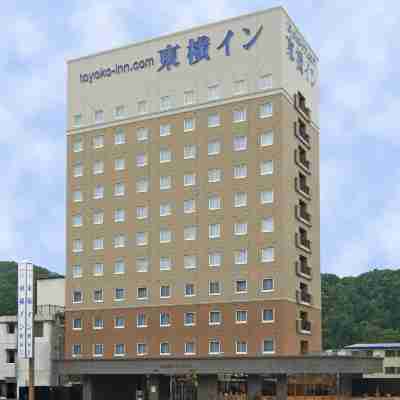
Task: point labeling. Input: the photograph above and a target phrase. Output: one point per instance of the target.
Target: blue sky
(357, 42)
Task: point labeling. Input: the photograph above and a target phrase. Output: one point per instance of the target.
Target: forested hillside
(8, 285)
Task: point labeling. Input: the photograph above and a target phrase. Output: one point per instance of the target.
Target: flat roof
(366, 346)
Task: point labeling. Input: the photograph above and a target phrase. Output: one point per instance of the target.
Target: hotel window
(77, 246)
(119, 189)
(76, 271)
(268, 346)
(142, 264)
(213, 92)
(267, 315)
(77, 220)
(142, 107)
(119, 136)
(189, 290)
(189, 206)
(142, 293)
(214, 346)
(266, 110)
(142, 135)
(266, 197)
(98, 324)
(267, 254)
(214, 318)
(119, 111)
(119, 350)
(239, 87)
(165, 182)
(190, 261)
(214, 120)
(240, 256)
(141, 160)
(165, 209)
(189, 152)
(141, 349)
(165, 156)
(98, 269)
(214, 259)
(98, 244)
(188, 124)
(189, 319)
(77, 196)
(265, 82)
(142, 185)
(165, 103)
(266, 139)
(240, 199)
(119, 294)
(78, 170)
(141, 239)
(267, 224)
(142, 212)
(214, 231)
(165, 236)
(98, 141)
(267, 285)
(77, 324)
(214, 175)
(98, 217)
(165, 129)
(76, 350)
(188, 97)
(98, 167)
(98, 295)
(119, 240)
(214, 288)
(241, 347)
(98, 192)
(239, 143)
(119, 215)
(165, 319)
(77, 145)
(240, 171)
(214, 147)
(240, 228)
(141, 320)
(165, 349)
(98, 350)
(77, 120)
(189, 179)
(266, 167)
(119, 164)
(239, 115)
(190, 232)
(98, 116)
(190, 348)
(77, 296)
(119, 267)
(214, 203)
(241, 317)
(241, 286)
(165, 292)
(165, 263)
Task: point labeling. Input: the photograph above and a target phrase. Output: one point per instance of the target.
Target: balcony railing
(303, 270)
(303, 326)
(300, 105)
(302, 161)
(303, 242)
(300, 132)
(302, 188)
(303, 297)
(302, 214)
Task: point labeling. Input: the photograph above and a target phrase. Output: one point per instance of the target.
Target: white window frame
(239, 321)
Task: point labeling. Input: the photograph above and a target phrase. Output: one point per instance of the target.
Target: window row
(189, 348)
(143, 293)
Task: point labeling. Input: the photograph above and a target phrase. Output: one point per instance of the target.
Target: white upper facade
(244, 56)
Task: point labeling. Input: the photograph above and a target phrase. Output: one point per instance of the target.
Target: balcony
(303, 270)
(300, 106)
(303, 297)
(301, 160)
(302, 215)
(304, 326)
(303, 243)
(300, 131)
(302, 188)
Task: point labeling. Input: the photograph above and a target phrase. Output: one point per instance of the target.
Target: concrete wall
(51, 291)
(7, 341)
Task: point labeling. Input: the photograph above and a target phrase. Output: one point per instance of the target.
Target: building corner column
(282, 387)
(87, 388)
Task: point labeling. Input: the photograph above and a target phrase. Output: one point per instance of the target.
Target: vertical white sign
(25, 310)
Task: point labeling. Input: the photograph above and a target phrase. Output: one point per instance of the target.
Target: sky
(360, 101)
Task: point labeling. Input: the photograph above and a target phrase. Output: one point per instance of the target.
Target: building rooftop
(371, 346)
